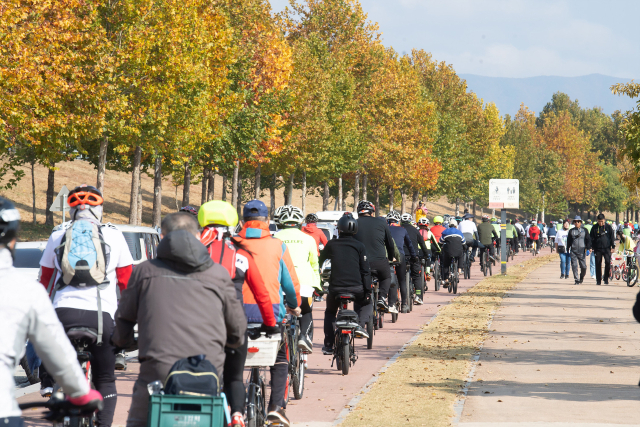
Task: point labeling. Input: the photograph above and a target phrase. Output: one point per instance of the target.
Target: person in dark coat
(403, 243)
(184, 305)
(350, 274)
(603, 243)
(578, 243)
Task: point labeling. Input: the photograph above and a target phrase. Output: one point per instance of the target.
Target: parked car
(332, 216)
(329, 229)
(27, 256)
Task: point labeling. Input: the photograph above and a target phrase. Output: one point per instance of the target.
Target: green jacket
(511, 231)
(304, 254)
(486, 231)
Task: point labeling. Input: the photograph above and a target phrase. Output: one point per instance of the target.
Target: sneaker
(327, 350)
(598, 283)
(360, 332)
(277, 416)
(382, 304)
(404, 309)
(46, 391)
(606, 282)
(417, 300)
(237, 420)
(121, 363)
(577, 282)
(562, 276)
(392, 309)
(305, 345)
(593, 277)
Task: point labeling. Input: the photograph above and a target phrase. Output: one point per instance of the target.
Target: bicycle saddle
(89, 335)
(342, 297)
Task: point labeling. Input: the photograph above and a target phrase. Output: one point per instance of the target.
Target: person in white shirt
(561, 248)
(81, 306)
(521, 233)
(469, 230)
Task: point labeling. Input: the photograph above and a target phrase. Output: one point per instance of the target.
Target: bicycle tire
(456, 279)
(485, 262)
(623, 273)
(632, 276)
(436, 276)
(409, 291)
(380, 320)
(370, 332)
(346, 354)
(298, 378)
(490, 264)
(394, 317)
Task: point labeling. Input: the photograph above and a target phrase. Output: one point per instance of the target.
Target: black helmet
(311, 218)
(365, 206)
(347, 225)
(9, 221)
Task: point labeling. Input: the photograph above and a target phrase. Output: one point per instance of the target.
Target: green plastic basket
(185, 411)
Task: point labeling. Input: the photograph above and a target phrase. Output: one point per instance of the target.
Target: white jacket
(26, 312)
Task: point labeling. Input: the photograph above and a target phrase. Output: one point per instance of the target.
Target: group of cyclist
(262, 276)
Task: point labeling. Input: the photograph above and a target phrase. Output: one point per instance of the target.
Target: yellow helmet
(438, 220)
(219, 213)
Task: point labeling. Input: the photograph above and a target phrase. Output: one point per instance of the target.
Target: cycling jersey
(375, 235)
(304, 254)
(416, 238)
(534, 232)
(511, 230)
(401, 237)
(437, 231)
(496, 227)
(452, 241)
(468, 227)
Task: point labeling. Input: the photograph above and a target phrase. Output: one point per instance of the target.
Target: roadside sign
(60, 202)
(504, 193)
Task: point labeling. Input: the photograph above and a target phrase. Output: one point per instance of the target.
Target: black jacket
(350, 272)
(571, 239)
(416, 238)
(402, 239)
(636, 308)
(374, 234)
(602, 238)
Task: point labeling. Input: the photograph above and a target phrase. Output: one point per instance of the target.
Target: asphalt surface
(328, 394)
(559, 355)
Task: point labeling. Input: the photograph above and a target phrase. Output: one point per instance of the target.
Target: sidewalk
(559, 354)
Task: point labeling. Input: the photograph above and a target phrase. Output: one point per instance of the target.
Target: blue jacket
(402, 239)
(452, 241)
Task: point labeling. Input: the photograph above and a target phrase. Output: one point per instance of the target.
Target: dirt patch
(421, 387)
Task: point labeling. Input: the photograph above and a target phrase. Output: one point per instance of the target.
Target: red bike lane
(327, 392)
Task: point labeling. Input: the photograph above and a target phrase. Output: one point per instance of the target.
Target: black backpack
(193, 376)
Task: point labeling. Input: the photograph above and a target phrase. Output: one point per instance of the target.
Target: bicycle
(295, 356)
(466, 263)
(511, 253)
(344, 350)
(437, 274)
(396, 285)
(61, 412)
(629, 269)
(534, 247)
(410, 288)
(262, 351)
(378, 315)
(485, 262)
(454, 277)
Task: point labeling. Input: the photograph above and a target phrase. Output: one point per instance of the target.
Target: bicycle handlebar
(59, 408)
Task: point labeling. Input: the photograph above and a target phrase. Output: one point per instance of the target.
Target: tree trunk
(205, 181)
(272, 191)
(139, 205)
(304, 192)
(33, 191)
(339, 193)
(224, 187)
(364, 186)
(102, 163)
(403, 202)
(256, 184)
(493, 213)
(212, 185)
(157, 190)
(325, 196)
(356, 191)
(290, 190)
(457, 206)
(617, 217)
(636, 215)
(414, 201)
(135, 184)
(50, 195)
(186, 187)
(376, 196)
(474, 208)
(239, 191)
(392, 194)
(234, 184)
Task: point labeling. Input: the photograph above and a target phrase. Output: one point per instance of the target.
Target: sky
(515, 38)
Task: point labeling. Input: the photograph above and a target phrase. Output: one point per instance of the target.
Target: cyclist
(452, 242)
(512, 235)
(429, 240)
(218, 219)
(552, 232)
(312, 230)
(534, 235)
(88, 306)
(278, 272)
(419, 246)
(375, 235)
(437, 228)
(521, 234)
(304, 254)
(487, 232)
(27, 314)
(350, 274)
(190, 210)
(470, 232)
(402, 239)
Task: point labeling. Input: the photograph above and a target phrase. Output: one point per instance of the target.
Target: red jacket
(313, 231)
(437, 230)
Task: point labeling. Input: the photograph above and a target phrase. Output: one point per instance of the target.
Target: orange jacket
(274, 263)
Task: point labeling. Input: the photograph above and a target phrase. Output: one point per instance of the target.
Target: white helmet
(423, 221)
(393, 215)
(289, 214)
(406, 217)
(453, 223)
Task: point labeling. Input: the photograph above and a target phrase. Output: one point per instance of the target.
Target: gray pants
(575, 259)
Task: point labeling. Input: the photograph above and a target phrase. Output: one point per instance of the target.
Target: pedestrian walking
(579, 244)
(592, 258)
(561, 248)
(603, 243)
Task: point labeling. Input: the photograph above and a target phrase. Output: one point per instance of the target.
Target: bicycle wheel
(485, 262)
(436, 275)
(409, 290)
(489, 264)
(298, 376)
(622, 272)
(256, 400)
(632, 276)
(370, 332)
(456, 279)
(380, 320)
(346, 354)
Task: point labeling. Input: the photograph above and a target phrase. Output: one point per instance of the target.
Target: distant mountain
(507, 93)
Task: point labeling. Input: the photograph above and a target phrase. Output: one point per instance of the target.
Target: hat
(255, 208)
(577, 218)
(467, 216)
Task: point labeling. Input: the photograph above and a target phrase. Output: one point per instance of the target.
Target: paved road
(327, 392)
(559, 354)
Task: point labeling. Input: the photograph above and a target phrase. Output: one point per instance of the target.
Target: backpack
(83, 257)
(194, 376)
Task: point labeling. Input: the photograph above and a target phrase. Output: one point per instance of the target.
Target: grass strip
(422, 386)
